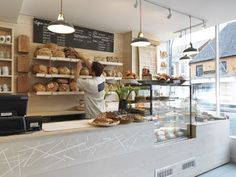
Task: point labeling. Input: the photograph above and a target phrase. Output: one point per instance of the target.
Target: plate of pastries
(109, 119)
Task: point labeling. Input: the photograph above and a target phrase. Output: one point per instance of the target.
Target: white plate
(103, 124)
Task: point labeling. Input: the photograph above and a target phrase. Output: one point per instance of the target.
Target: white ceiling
(121, 16)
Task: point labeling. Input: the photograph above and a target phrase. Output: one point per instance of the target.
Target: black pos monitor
(12, 114)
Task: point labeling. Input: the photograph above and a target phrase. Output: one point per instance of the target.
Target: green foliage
(124, 92)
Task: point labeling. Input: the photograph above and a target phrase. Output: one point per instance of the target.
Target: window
(223, 67)
(199, 70)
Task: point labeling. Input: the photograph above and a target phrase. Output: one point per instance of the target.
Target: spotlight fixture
(140, 41)
(136, 4)
(203, 24)
(180, 34)
(170, 14)
(60, 26)
(190, 50)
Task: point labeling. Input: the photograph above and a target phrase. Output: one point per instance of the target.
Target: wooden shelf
(39, 57)
(54, 76)
(8, 92)
(107, 78)
(111, 63)
(56, 113)
(5, 59)
(58, 93)
(8, 76)
(5, 43)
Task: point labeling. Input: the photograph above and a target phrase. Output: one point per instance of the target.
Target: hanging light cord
(61, 6)
(140, 14)
(190, 28)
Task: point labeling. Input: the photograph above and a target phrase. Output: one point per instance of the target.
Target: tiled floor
(228, 170)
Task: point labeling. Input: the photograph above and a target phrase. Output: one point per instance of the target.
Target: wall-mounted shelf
(58, 93)
(107, 78)
(7, 76)
(40, 57)
(5, 43)
(5, 59)
(8, 92)
(54, 76)
(111, 63)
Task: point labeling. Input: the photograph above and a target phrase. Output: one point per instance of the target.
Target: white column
(217, 75)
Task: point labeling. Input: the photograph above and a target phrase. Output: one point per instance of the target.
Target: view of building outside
(203, 69)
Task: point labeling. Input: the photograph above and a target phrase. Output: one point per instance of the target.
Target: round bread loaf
(44, 52)
(51, 46)
(52, 70)
(52, 87)
(74, 86)
(63, 70)
(39, 87)
(64, 87)
(38, 68)
(84, 71)
(58, 53)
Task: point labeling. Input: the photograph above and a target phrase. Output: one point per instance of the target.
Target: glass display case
(169, 106)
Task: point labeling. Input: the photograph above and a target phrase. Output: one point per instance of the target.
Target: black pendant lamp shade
(190, 50)
(185, 57)
(140, 41)
(60, 26)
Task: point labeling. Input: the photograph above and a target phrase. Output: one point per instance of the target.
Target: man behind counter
(94, 88)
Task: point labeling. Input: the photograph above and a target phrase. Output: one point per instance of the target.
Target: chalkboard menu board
(82, 37)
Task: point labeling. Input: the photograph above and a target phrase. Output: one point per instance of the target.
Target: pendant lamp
(185, 57)
(60, 26)
(140, 41)
(191, 50)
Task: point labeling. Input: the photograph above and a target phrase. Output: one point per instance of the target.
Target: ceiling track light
(136, 4)
(140, 41)
(190, 50)
(170, 14)
(60, 26)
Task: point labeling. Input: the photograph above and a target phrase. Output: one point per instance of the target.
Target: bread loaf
(84, 71)
(52, 87)
(58, 53)
(43, 52)
(51, 46)
(39, 87)
(38, 68)
(63, 70)
(64, 88)
(52, 70)
(74, 86)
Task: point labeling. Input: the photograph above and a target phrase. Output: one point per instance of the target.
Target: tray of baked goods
(164, 79)
(110, 119)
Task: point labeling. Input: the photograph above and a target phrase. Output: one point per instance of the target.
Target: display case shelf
(55, 113)
(58, 93)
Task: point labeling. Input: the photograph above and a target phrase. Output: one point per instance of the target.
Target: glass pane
(227, 66)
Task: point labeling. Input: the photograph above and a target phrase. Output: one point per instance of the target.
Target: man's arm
(78, 69)
(85, 59)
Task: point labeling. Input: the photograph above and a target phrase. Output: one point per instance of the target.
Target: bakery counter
(32, 154)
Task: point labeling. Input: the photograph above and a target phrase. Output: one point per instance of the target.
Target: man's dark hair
(97, 68)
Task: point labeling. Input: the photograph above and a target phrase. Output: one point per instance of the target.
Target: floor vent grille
(167, 172)
(188, 164)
